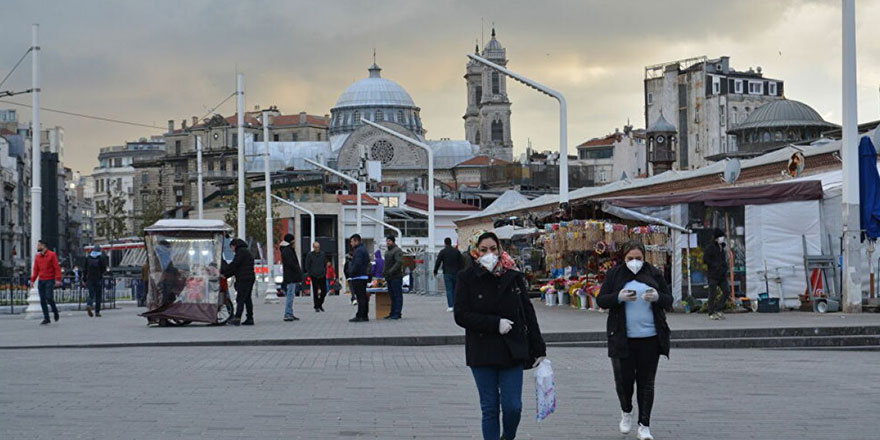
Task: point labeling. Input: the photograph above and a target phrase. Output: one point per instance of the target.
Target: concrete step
(784, 342)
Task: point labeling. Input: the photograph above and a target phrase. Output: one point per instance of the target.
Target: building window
(496, 83)
(497, 131)
(177, 148)
(766, 137)
(602, 177)
(319, 136)
(222, 165)
(598, 153)
(210, 165)
(756, 88)
(650, 98)
(772, 86)
(294, 137)
(379, 116)
(357, 117)
(477, 138)
(738, 86)
(733, 116)
(145, 178)
(716, 85)
(479, 94)
(400, 116)
(275, 137)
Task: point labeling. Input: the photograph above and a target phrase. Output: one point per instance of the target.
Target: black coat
(290, 265)
(315, 264)
(615, 279)
(715, 258)
(359, 266)
(481, 301)
(241, 267)
(450, 259)
(95, 268)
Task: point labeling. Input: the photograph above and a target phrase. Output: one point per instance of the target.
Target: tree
(112, 224)
(151, 212)
(255, 215)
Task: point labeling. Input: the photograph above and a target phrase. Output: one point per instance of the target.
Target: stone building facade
(487, 118)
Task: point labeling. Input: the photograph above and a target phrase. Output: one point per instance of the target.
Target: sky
(148, 62)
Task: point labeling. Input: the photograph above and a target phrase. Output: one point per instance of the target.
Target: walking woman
(636, 295)
(502, 337)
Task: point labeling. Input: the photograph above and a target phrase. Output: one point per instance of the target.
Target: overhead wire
(16, 66)
(81, 115)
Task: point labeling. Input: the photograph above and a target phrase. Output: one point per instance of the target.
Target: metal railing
(14, 293)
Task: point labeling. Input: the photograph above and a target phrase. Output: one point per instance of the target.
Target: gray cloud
(153, 61)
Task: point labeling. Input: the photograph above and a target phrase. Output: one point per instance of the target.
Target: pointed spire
(375, 69)
(477, 48)
(493, 30)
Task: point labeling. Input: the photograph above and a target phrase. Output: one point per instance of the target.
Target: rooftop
(420, 201)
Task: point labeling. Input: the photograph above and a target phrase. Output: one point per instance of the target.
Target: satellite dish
(731, 172)
(796, 164)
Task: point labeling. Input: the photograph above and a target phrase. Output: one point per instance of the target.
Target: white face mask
(488, 261)
(635, 265)
(720, 240)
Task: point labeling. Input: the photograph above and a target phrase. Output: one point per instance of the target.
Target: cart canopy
(171, 225)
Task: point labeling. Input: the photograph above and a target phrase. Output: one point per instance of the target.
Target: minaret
(474, 78)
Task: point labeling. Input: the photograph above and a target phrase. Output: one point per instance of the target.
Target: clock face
(216, 136)
(661, 139)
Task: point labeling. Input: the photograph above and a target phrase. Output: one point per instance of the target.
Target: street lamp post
(310, 213)
(361, 187)
(852, 282)
(34, 308)
(270, 248)
(387, 225)
(422, 145)
(200, 191)
(563, 120)
(242, 233)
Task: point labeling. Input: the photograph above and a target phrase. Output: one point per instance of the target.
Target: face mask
(635, 265)
(489, 261)
(720, 240)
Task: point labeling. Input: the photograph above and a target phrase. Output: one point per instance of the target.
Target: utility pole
(242, 233)
(200, 191)
(271, 297)
(34, 309)
(852, 280)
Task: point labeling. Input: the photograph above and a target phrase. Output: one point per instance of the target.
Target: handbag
(522, 292)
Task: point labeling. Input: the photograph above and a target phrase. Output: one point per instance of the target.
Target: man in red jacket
(48, 272)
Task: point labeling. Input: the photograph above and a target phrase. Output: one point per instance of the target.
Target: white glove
(504, 326)
(538, 361)
(626, 295)
(651, 295)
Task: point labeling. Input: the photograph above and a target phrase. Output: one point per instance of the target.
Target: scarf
(505, 261)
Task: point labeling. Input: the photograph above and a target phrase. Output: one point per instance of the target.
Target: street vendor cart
(184, 258)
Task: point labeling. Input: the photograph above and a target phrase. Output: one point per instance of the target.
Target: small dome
(783, 113)
(661, 125)
(374, 91)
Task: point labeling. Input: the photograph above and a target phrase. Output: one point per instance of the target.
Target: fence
(14, 293)
(422, 276)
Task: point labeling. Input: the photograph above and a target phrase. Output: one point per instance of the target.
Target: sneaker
(98, 315)
(288, 318)
(89, 310)
(714, 317)
(321, 308)
(626, 422)
(45, 321)
(449, 309)
(235, 321)
(644, 433)
(721, 315)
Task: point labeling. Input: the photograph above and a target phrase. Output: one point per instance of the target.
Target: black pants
(640, 368)
(96, 294)
(46, 289)
(359, 287)
(243, 298)
(716, 302)
(319, 291)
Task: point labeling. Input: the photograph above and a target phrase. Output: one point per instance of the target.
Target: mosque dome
(376, 99)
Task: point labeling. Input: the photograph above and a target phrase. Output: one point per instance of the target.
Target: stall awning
(737, 196)
(638, 216)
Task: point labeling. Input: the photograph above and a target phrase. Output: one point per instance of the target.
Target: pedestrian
(452, 262)
(145, 279)
(715, 257)
(293, 275)
(378, 269)
(393, 273)
(357, 277)
(77, 278)
(330, 276)
(636, 295)
(345, 271)
(502, 336)
(96, 266)
(315, 267)
(47, 275)
(242, 268)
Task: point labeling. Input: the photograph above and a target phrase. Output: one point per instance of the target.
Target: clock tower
(662, 144)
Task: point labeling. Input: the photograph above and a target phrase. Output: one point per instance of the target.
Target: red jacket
(46, 267)
(331, 273)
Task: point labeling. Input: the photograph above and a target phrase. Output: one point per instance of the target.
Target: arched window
(477, 137)
(479, 94)
(378, 117)
(496, 83)
(400, 116)
(357, 117)
(765, 137)
(497, 131)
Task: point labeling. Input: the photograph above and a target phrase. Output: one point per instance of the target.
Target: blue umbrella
(869, 189)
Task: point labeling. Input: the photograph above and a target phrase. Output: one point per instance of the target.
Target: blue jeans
(46, 289)
(288, 300)
(95, 294)
(449, 280)
(499, 387)
(395, 291)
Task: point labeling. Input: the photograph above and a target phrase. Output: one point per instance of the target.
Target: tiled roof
(482, 161)
(5, 132)
(295, 120)
(600, 142)
(352, 199)
(420, 201)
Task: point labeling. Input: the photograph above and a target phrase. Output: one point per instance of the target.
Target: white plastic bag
(545, 390)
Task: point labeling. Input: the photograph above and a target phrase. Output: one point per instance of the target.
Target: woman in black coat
(502, 336)
(636, 294)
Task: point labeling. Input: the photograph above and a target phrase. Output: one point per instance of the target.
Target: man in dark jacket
(96, 266)
(242, 268)
(715, 257)
(315, 265)
(394, 276)
(452, 261)
(357, 277)
(293, 275)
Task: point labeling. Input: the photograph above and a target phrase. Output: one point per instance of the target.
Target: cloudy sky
(148, 62)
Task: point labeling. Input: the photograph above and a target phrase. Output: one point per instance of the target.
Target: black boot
(45, 321)
(56, 315)
(248, 321)
(235, 321)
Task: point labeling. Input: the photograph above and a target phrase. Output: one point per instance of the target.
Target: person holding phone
(636, 295)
